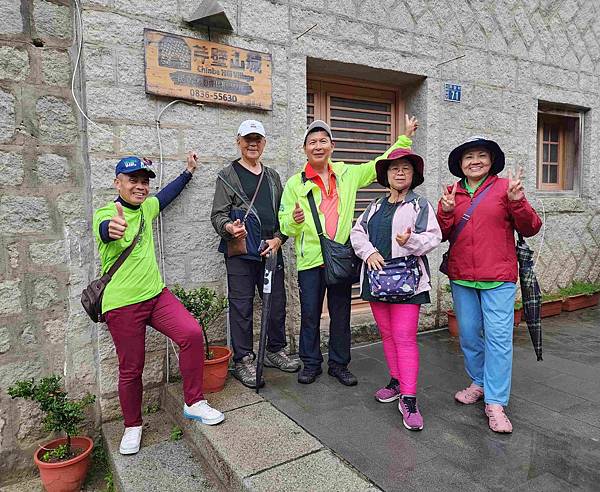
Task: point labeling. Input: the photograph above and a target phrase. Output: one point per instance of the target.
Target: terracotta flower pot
(452, 323)
(580, 302)
(215, 369)
(551, 308)
(68, 475)
(518, 316)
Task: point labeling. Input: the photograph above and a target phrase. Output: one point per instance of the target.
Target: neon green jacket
(349, 178)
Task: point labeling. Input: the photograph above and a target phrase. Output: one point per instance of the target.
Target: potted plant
(551, 305)
(580, 295)
(63, 462)
(206, 305)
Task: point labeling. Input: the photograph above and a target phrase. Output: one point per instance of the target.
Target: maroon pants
(127, 326)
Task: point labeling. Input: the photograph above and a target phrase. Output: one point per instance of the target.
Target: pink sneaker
(411, 417)
(388, 393)
(497, 419)
(469, 395)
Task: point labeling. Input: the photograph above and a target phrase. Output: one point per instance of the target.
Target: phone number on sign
(216, 96)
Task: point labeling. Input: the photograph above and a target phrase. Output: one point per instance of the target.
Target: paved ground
(554, 409)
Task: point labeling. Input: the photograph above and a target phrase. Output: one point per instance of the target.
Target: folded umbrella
(531, 295)
(270, 265)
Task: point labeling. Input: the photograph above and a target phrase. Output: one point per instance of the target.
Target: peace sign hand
(448, 201)
(410, 125)
(515, 189)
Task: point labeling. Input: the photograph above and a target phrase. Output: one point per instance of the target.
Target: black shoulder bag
(91, 297)
(341, 264)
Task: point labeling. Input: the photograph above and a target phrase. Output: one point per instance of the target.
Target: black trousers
(312, 293)
(243, 278)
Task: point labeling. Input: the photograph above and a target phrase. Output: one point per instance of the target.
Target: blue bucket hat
(132, 163)
(476, 141)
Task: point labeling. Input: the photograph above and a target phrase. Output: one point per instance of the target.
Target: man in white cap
(244, 214)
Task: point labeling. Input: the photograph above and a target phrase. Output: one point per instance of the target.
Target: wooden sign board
(198, 70)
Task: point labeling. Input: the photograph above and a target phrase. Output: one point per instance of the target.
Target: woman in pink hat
(392, 237)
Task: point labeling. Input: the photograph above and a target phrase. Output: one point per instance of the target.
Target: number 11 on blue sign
(452, 92)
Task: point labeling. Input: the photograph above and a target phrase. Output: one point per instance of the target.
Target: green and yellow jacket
(349, 179)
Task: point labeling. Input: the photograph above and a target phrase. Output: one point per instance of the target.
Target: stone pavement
(554, 409)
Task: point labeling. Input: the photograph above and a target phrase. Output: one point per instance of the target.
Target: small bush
(580, 288)
(61, 414)
(204, 304)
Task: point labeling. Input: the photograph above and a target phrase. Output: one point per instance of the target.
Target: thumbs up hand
(236, 228)
(117, 225)
(298, 214)
(402, 238)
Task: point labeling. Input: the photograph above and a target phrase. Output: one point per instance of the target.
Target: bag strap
(123, 256)
(467, 215)
(255, 193)
(313, 207)
(315, 214)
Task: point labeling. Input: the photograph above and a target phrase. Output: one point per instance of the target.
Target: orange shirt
(329, 201)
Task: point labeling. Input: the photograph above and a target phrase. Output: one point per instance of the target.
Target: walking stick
(270, 265)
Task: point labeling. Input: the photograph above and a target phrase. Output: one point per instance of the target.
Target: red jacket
(485, 248)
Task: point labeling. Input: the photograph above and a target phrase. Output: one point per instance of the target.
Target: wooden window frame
(544, 119)
(558, 116)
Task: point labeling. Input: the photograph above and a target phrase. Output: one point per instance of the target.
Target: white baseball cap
(251, 126)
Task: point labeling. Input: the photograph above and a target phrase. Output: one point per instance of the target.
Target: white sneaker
(130, 442)
(203, 412)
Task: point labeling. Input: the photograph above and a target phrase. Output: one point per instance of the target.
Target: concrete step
(161, 464)
(259, 448)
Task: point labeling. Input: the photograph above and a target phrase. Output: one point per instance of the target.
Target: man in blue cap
(136, 296)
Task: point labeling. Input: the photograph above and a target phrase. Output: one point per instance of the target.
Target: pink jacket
(414, 212)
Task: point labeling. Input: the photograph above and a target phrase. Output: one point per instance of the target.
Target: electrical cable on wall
(78, 28)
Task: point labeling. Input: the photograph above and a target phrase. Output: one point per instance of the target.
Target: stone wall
(44, 219)
(507, 55)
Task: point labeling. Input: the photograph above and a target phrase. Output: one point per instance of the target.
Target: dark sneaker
(343, 375)
(281, 361)
(389, 393)
(308, 376)
(411, 417)
(245, 372)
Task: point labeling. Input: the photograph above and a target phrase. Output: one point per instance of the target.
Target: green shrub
(552, 296)
(579, 288)
(61, 414)
(204, 304)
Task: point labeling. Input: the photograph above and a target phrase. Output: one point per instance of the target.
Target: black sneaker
(343, 375)
(308, 376)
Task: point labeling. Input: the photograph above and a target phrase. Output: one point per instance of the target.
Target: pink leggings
(398, 324)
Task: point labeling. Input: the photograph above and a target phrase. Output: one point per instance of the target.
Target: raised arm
(366, 171)
(175, 187)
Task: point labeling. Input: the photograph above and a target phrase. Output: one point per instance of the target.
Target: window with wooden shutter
(364, 119)
(559, 144)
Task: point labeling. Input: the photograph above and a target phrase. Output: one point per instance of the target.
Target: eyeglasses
(405, 170)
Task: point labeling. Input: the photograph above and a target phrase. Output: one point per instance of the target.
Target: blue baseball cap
(132, 163)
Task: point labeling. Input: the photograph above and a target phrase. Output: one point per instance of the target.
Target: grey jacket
(230, 195)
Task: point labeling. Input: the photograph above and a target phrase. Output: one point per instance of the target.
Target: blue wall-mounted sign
(452, 92)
